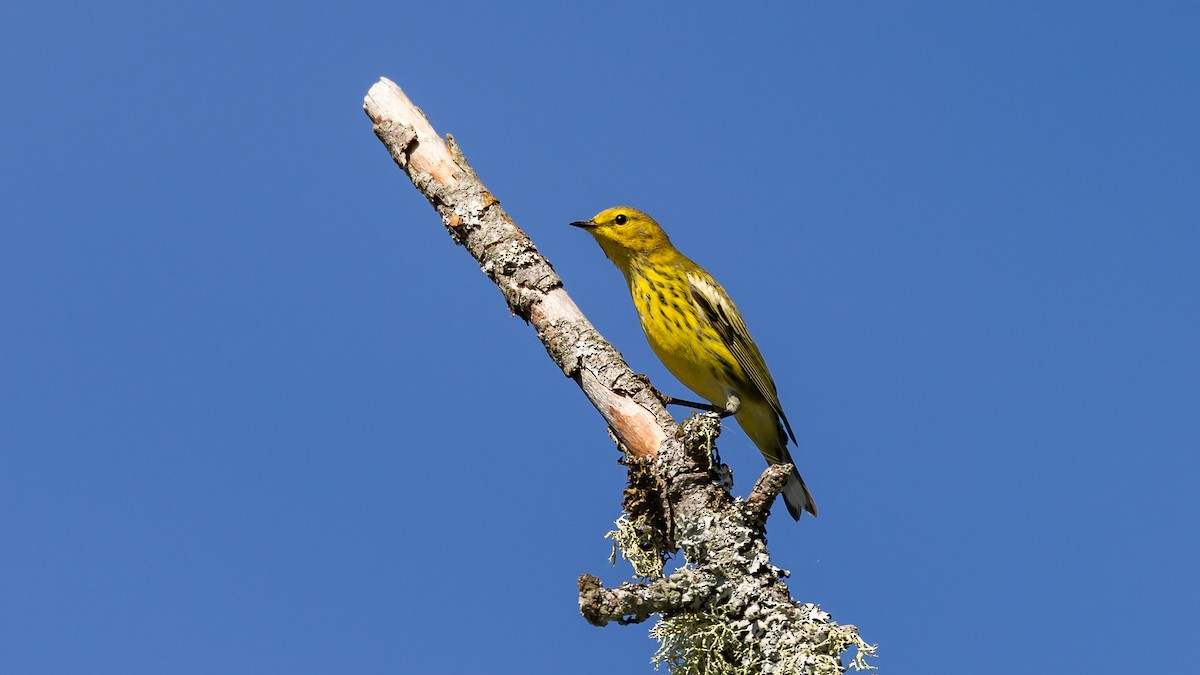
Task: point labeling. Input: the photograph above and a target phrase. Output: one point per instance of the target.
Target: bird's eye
(620, 219)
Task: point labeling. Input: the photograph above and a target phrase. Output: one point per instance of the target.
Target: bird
(697, 332)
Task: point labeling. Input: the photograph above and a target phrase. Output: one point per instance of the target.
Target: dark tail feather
(797, 496)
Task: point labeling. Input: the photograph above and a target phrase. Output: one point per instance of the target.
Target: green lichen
(699, 643)
(708, 427)
(821, 653)
(708, 643)
(633, 538)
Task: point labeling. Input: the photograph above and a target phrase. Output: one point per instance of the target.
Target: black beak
(585, 224)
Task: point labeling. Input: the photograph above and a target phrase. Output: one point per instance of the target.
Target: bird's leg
(708, 407)
(731, 407)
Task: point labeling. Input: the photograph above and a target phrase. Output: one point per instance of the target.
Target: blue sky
(259, 414)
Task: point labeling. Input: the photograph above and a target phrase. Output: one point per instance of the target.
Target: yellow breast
(689, 348)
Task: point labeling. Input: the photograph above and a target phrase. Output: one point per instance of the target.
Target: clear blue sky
(260, 415)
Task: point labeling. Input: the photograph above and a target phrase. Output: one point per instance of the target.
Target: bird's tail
(797, 497)
(762, 425)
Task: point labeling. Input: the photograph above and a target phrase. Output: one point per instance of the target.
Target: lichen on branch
(727, 610)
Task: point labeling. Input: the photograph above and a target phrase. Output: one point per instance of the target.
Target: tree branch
(634, 603)
(474, 219)
(768, 487)
(729, 608)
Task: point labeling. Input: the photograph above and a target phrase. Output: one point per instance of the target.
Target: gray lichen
(728, 610)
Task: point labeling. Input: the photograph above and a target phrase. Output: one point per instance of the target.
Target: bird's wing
(713, 302)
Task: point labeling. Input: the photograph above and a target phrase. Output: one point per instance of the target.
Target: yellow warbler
(697, 332)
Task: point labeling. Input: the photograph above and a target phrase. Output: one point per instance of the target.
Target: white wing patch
(714, 295)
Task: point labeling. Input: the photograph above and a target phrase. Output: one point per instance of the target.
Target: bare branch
(532, 289)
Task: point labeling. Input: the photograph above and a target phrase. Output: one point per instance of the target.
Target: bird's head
(625, 232)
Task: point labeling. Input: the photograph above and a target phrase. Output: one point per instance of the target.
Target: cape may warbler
(696, 331)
